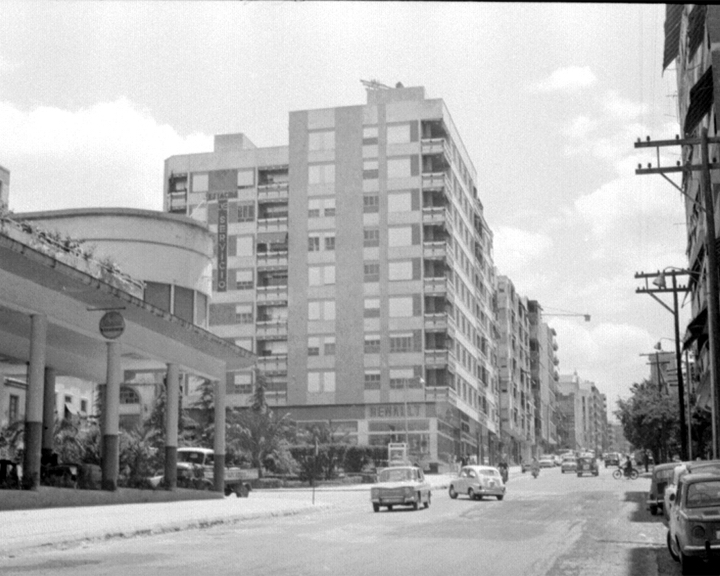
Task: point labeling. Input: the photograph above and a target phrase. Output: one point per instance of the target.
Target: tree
(258, 430)
(650, 420)
(204, 414)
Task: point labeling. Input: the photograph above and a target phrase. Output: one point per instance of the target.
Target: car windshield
(701, 494)
(192, 457)
(397, 475)
(489, 473)
(664, 474)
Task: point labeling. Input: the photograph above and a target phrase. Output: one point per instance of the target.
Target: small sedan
(401, 486)
(694, 527)
(568, 465)
(546, 461)
(661, 475)
(586, 465)
(476, 482)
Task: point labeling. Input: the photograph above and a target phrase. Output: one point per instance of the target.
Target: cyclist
(628, 467)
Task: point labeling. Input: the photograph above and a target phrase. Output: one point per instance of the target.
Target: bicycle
(620, 473)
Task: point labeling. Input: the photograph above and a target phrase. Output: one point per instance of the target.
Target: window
(372, 380)
(370, 134)
(127, 396)
(372, 344)
(329, 346)
(400, 202)
(372, 308)
(67, 399)
(314, 208)
(371, 203)
(372, 272)
(401, 378)
(398, 134)
(246, 212)
(398, 168)
(400, 236)
(330, 242)
(370, 169)
(242, 383)
(324, 140)
(184, 305)
(83, 405)
(244, 313)
(329, 207)
(314, 243)
(244, 280)
(400, 270)
(321, 173)
(313, 346)
(371, 237)
(402, 342)
(321, 275)
(200, 183)
(321, 382)
(246, 178)
(400, 307)
(321, 310)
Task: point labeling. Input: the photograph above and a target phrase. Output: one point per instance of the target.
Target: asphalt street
(557, 525)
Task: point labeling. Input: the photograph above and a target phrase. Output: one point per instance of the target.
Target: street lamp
(660, 283)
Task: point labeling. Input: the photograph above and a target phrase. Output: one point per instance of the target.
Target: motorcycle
(623, 473)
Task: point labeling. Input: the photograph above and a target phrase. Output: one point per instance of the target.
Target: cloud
(567, 79)
(108, 155)
(581, 127)
(515, 249)
(622, 108)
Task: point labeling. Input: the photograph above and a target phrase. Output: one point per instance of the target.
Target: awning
(70, 411)
(696, 29)
(673, 17)
(701, 101)
(695, 328)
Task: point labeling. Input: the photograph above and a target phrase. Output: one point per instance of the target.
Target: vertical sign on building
(222, 243)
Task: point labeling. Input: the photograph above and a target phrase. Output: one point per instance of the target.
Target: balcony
(437, 215)
(436, 285)
(437, 249)
(437, 357)
(276, 260)
(273, 192)
(433, 146)
(271, 294)
(272, 363)
(435, 181)
(271, 329)
(277, 224)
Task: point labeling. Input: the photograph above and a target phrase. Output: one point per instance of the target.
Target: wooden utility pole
(710, 251)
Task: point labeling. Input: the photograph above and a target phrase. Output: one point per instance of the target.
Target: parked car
(401, 486)
(476, 482)
(569, 464)
(586, 465)
(694, 524)
(558, 459)
(662, 474)
(679, 471)
(612, 459)
(546, 461)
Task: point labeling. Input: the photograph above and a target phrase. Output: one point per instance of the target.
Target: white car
(401, 486)
(476, 482)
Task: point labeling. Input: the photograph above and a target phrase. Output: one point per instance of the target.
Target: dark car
(612, 459)
(587, 465)
(661, 475)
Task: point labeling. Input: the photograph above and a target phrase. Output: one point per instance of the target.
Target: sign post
(112, 325)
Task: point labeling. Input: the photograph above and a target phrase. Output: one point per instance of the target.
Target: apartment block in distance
(356, 262)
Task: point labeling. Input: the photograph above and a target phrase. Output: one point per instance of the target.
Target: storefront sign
(221, 195)
(222, 245)
(381, 411)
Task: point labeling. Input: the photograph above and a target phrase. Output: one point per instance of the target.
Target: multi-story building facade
(517, 399)
(357, 263)
(692, 40)
(544, 377)
(584, 414)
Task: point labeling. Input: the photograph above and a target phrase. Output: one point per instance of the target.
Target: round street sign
(112, 325)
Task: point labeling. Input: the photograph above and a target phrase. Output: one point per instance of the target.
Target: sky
(548, 100)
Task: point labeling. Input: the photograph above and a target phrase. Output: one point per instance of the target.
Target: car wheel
(671, 547)
(415, 504)
(653, 509)
(390, 507)
(579, 475)
(452, 493)
(376, 507)
(500, 496)
(426, 504)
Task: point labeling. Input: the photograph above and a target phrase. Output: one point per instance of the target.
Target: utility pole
(710, 249)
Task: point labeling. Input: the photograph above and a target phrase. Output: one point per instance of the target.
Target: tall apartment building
(357, 263)
(517, 399)
(584, 410)
(544, 377)
(692, 43)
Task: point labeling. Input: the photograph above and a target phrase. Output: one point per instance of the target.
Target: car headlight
(698, 532)
(408, 491)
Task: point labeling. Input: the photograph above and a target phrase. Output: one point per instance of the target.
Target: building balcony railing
(436, 249)
(435, 181)
(433, 145)
(273, 192)
(437, 357)
(272, 363)
(441, 394)
(437, 215)
(271, 294)
(274, 328)
(272, 259)
(437, 285)
(272, 224)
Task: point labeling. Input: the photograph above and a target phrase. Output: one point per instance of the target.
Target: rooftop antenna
(373, 84)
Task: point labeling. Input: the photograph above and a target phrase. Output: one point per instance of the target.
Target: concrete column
(34, 402)
(48, 414)
(111, 418)
(172, 402)
(219, 472)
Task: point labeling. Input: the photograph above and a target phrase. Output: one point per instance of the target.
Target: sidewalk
(25, 529)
